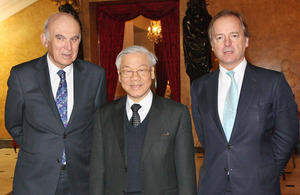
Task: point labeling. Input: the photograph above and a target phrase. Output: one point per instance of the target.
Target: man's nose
(227, 41)
(68, 45)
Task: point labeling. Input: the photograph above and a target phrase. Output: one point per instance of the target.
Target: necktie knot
(231, 74)
(135, 119)
(135, 107)
(61, 74)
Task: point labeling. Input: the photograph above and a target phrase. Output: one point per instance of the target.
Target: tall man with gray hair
(50, 107)
(142, 143)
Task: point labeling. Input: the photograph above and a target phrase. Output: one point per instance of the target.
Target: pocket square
(165, 134)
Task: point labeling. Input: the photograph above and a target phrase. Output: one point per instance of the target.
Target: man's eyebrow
(59, 35)
(77, 36)
(218, 34)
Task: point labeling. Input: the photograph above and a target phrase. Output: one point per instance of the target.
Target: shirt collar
(145, 103)
(54, 69)
(239, 70)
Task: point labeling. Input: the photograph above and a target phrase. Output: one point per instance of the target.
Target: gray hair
(226, 13)
(48, 21)
(136, 49)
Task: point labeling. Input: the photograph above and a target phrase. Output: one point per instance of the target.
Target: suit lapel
(119, 127)
(211, 87)
(154, 127)
(249, 86)
(79, 84)
(43, 80)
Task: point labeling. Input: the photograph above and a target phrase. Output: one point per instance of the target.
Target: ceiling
(10, 7)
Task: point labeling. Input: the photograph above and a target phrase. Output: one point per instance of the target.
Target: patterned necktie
(230, 106)
(62, 103)
(135, 119)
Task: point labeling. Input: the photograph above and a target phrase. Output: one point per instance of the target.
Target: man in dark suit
(50, 107)
(245, 117)
(148, 150)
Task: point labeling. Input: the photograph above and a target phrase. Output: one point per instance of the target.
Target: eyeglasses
(140, 72)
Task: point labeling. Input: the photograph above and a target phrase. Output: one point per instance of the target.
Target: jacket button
(125, 169)
(124, 192)
(58, 160)
(65, 136)
(229, 147)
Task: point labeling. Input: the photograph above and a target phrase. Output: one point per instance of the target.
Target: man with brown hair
(245, 117)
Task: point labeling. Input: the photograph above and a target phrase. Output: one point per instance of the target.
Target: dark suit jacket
(264, 135)
(167, 164)
(32, 119)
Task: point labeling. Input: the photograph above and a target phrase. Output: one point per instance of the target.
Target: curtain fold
(161, 71)
(111, 21)
(111, 40)
(171, 52)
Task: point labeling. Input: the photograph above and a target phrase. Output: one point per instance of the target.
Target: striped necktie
(135, 119)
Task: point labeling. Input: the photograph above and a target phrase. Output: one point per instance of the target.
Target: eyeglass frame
(137, 72)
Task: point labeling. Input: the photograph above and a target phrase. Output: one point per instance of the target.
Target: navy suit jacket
(264, 135)
(32, 119)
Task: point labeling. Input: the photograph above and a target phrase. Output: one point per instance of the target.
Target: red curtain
(161, 71)
(111, 21)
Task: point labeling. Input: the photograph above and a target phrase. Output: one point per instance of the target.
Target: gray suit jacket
(32, 119)
(264, 135)
(167, 164)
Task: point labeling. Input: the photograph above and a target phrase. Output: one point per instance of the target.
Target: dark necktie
(230, 106)
(62, 103)
(135, 119)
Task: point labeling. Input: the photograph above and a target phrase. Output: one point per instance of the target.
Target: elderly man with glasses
(142, 143)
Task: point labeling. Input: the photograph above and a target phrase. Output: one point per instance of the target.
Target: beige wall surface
(19, 42)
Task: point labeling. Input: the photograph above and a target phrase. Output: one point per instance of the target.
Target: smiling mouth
(135, 86)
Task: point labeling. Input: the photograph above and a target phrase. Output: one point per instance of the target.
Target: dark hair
(226, 13)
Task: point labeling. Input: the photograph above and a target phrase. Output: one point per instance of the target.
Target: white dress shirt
(145, 106)
(224, 83)
(55, 79)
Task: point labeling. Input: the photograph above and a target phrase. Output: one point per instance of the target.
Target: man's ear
(246, 42)
(152, 72)
(119, 75)
(44, 39)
